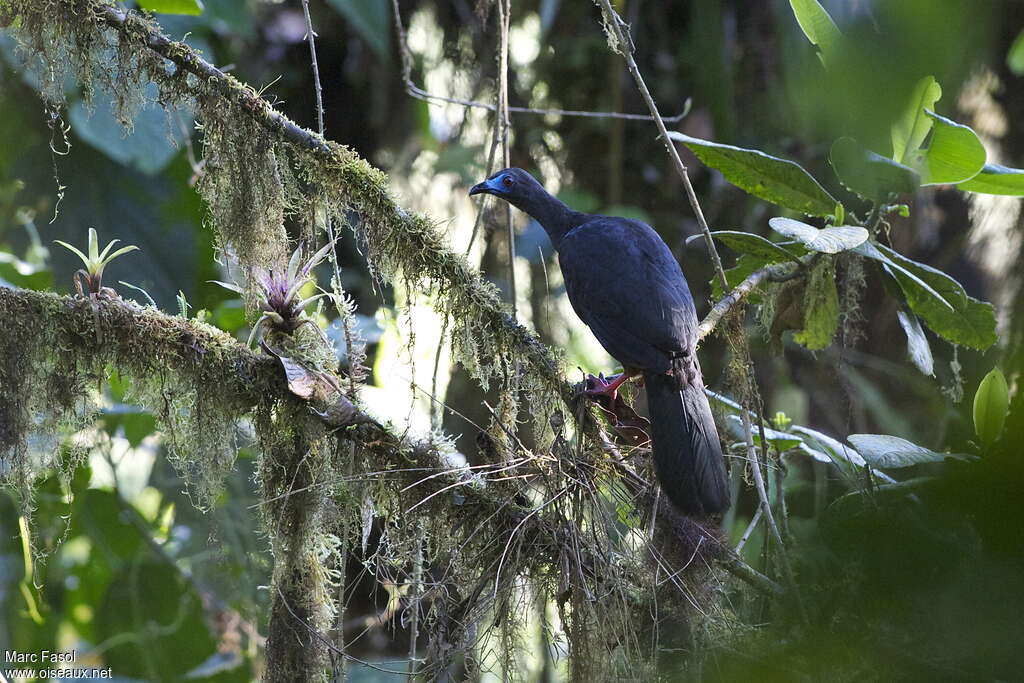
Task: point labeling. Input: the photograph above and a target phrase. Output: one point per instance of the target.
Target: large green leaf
(996, 179)
(147, 148)
(882, 450)
(870, 250)
(991, 403)
(870, 175)
(910, 131)
(775, 180)
(941, 302)
(173, 6)
(830, 240)
(372, 19)
(821, 308)
(755, 245)
(818, 26)
(955, 153)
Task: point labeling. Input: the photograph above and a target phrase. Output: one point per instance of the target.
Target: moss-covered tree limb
(261, 167)
(135, 340)
(437, 259)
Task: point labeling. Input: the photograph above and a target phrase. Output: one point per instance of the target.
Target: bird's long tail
(687, 451)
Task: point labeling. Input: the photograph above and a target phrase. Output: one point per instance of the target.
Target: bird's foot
(605, 386)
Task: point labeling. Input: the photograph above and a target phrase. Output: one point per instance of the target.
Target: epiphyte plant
(90, 278)
(281, 306)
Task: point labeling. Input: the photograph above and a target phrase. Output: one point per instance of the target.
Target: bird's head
(511, 184)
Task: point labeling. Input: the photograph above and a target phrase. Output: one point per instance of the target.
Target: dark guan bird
(624, 283)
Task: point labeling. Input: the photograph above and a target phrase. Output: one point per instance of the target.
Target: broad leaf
(173, 6)
(821, 308)
(870, 250)
(755, 245)
(147, 146)
(870, 175)
(910, 131)
(372, 19)
(918, 349)
(996, 179)
(991, 403)
(745, 265)
(882, 450)
(818, 26)
(846, 457)
(943, 304)
(775, 180)
(827, 240)
(955, 153)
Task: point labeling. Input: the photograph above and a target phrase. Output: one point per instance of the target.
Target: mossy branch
(189, 60)
(433, 259)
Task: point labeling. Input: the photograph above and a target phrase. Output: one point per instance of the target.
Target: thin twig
(311, 37)
(504, 19)
(758, 513)
(419, 93)
(766, 508)
(725, 304)
(615, 25)
(339, 673)
(414, 599)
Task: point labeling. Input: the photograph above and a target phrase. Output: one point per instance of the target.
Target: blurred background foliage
(919, 586)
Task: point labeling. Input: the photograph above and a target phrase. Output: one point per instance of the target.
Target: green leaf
(918, 349)
(870, 250)
(912, 128)
(846, 458)
(24, 274)
(996, 179)
(991, 403)
(826, 241)
(775, 180)
(147, 146)
(1015, 56)
(75, 250)
(137, 423)
(955, 153)
(884, 451)
(821, 308)
(755, 245)
(818, 26)
(745, 265)
(870, 175)
(372, 19)
(940, 301)
(169, 635)
(173, 6)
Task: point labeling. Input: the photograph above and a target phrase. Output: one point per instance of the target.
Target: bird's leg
(601, 386)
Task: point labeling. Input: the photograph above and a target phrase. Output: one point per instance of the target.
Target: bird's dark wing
(624, 283)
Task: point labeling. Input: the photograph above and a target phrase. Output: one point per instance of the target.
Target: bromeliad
(282, 309)
(89, 280)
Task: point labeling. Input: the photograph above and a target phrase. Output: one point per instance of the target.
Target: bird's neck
(555, 217)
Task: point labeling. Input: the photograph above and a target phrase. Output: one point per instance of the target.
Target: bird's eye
(507, 181)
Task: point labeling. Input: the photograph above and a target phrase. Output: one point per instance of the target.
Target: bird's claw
(602, 386)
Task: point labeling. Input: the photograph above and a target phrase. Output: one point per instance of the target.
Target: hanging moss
(59, 350)
(492, 536)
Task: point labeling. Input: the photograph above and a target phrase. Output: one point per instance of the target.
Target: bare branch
(616, 26)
